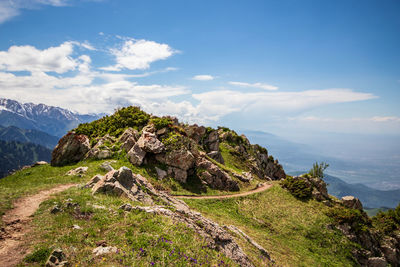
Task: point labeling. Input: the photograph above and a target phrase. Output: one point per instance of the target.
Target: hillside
(14, 155)
(52, 120)
(12, 133)
(371, 198)
(133, 174)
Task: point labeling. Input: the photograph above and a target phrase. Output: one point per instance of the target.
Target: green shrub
(297, 187)
(39, 255)
(115, 124)
(357, 219)
(387, 222)
(318, 169)
(162, 122)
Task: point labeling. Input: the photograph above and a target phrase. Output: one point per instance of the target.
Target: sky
(292, 68)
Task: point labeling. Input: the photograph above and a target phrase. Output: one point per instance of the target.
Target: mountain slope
(371, 198)
(12, 133)
(14, 155)
(52, 120)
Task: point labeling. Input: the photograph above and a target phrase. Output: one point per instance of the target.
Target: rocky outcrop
(352, 202)
(80, 171)
(148, 142)
(123, 182)
(213, 176)
(136, 155)
(71, 148)
(102, 149)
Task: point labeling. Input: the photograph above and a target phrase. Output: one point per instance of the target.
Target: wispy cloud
(11, 8)
(263, 86)
(203, 77)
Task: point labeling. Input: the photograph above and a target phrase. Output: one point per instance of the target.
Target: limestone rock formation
(70, 149)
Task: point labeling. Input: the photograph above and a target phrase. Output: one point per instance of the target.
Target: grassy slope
(157, 236)
(294, 232)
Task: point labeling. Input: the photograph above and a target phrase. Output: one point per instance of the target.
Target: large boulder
(148, 142)
(180, 158)
(71, 148)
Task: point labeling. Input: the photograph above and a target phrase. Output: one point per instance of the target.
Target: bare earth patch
(17, 225)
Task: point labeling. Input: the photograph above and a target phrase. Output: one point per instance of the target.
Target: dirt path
(17, 225)
(257, 190)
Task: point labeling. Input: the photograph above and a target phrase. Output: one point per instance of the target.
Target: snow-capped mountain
(52, 120)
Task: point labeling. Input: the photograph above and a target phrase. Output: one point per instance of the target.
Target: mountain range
(52, 120)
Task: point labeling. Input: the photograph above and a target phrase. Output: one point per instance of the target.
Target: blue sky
(286, 67)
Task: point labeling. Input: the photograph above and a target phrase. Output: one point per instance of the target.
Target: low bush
(297, 187)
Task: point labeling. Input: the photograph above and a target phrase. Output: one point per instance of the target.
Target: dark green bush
(357, 219)
(39, 255)
(115, 124)
(297, 187)
(387, 222)
(162, 122)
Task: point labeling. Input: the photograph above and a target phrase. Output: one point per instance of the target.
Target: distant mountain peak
(50, 119)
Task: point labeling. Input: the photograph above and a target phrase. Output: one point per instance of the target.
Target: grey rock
(57, 258)
(70, 149)
(161, 174)
(181, 158)
(106, 166)
(149, 143)
(136, 155)
(80, 171)
(214, 176)
(377, 262)
(216, 155)
(55, 209)
(94, 180)
(99, 251)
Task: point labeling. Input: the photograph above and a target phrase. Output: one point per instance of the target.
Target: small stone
(161, 174)
(104, 250)
(106, 166)
(126, 207)
(77, 171)
(76, 227)
(57, 258)
(55, 209)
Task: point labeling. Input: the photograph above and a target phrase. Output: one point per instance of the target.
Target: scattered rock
(38, 163)
(244, 177)
(126, 207)
(93, 181)
(129, 133)
(148, 142)
(162, 131)
(161, 174)
(70, 149)
(57, 258)
(352, 202)
(55, 209)
(101, 243)
(100, 250)
(106, 166)
(76, 227)
(80, 171)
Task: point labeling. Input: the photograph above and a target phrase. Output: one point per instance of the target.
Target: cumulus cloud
(11, 8)
(28, 58)
(139, 54)
(263, 86)
(203, 77)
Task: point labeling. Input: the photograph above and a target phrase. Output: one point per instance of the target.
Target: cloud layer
(64, 76)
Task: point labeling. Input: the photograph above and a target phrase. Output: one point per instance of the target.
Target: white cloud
(203, 77)
(11, 8)
(263, 86)
(139, 54)
(385, 119)
(28, 58)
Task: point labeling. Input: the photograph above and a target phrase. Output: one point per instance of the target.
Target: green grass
(231, 161)
(293, 231)
(141, 238)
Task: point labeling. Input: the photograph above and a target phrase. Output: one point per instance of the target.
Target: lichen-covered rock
(80, 171)
(352, 202)
(212, 175)
(123, 182)
(195, 132)
(71, 148)
(181, 158)
(57, 258)
(216, 155)
(148, 142)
